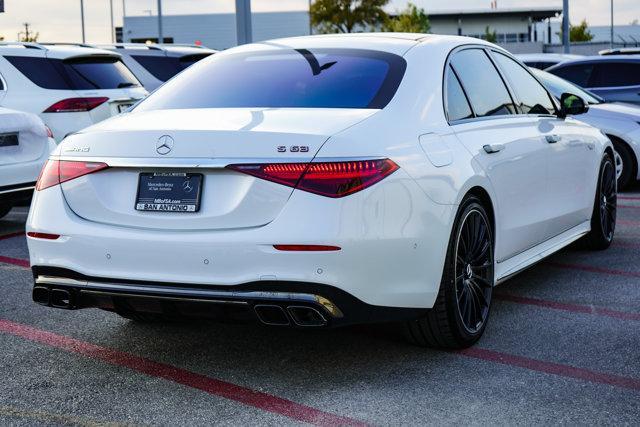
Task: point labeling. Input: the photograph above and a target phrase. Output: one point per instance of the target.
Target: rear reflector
(330, 179)
(56, 172)
(306, 248)
(75, 105)
(45, 236)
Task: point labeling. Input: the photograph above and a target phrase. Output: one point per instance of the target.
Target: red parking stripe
(628, 207)
(15, 261)
(256, 399)
(11, 235)
(628, 197)
(551, 368)
(627, 222)
(593, 269)
(574, 308)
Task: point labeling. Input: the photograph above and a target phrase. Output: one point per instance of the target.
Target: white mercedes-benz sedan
(323, 181)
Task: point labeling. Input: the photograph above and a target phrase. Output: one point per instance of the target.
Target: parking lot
(562, 346)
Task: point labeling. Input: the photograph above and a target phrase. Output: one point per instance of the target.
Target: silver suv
(154, 64)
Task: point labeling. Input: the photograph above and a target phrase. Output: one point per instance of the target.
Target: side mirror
(572, 105)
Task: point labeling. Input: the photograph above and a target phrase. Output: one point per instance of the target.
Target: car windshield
(301, 78)
(557, 86)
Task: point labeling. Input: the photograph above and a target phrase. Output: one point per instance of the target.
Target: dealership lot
(561, 347)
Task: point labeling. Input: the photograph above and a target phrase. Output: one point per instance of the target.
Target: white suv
(69, 87)
(154, 64)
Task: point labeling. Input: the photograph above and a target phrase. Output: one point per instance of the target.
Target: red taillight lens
(45, 236)
(306, 248)
(330, 179)
(56, 172)
(75, 105)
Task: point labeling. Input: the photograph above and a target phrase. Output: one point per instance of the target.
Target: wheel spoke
(482, 281)
(480, 293)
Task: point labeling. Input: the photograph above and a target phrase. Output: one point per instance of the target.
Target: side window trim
(475, 118)
(507, 82)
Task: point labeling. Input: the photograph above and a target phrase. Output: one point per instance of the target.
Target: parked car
(619, 121)
(545, 60)
(154, 64)
(25, 144)
(323, 181)
(70, 87)
(614, 78)
(621, 51)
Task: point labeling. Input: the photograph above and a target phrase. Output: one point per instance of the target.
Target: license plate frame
(167, 192)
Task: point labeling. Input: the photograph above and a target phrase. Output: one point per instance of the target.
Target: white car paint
(20, 164)
(393, 235)
(21, 93)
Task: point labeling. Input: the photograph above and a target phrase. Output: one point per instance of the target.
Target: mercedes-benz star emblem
(187, 187)
(164, 145)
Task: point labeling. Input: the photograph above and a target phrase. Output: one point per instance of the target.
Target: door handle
(493, 148)
(552, 139)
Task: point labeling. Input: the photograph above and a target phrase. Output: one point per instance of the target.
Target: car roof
(547, 56)
(167, 49)
(51, 50)
(599, 59)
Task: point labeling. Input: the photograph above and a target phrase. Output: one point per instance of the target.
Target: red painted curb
(12, 235)
(574, 308)
(246, 396)
(551, 368)
(15, 261)
(593, 269)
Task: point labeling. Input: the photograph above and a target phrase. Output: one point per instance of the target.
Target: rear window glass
(579, 74)
(317, 78)
(164, 67)
(75, 74)
(613, 74)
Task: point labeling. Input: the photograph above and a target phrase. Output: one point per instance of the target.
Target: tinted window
(482, 83)
(83, 73)
(611, 74)
(457, 104)
(579, 74)
(164, 67)
(533, 98)
(558, 86)
(317, 78)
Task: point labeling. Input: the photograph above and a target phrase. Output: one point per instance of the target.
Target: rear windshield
(316, 78)
(75, 74)
(165, 67)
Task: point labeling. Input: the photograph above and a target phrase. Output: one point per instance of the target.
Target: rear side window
(75, 74)
(284, 78)
(165, 67)
(482, 83)
(533, 98)
(579, 74)
(457, 105)
(612, 74)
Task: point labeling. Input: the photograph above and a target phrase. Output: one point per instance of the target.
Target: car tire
(4, 210)
(603, 218)
(628, 172)
(461, 311)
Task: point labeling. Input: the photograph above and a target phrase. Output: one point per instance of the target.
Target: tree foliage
(490, 36)
(346, 16)
(579, 33)
(411, 20)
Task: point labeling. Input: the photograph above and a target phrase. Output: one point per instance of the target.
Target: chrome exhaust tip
(41, 295)
(306, 316)
(272, 315)
(61, 298)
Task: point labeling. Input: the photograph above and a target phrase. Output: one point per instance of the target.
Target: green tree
(490, 36)
(411, 20)
(345, 16)
(579, 33)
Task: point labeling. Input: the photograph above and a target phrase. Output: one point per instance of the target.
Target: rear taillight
(75, 105)
(330, 179)
(56, 172)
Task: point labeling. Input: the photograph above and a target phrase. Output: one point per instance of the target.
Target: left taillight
(76, 105)
(330, 179)
(56, 172)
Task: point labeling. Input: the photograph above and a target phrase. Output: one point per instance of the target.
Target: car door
(507, 146)
(569, 150)
(617, 81)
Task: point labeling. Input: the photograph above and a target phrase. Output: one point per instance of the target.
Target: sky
(59, 20)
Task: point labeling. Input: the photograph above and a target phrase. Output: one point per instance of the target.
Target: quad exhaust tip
(272, 315)
(275, 315)
(306, 316)
(55, 297)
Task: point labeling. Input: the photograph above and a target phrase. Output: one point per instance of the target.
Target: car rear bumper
(273, 303)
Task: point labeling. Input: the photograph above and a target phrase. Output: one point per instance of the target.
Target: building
(217, 31)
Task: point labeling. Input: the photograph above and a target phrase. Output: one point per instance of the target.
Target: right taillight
(330, 179)
(76, 105)
(56, 172)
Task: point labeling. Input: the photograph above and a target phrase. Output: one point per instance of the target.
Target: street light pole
(113, 37)
(84, 39)
(565, 26)
(611, 24)
(243, 21)
(160, 35)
